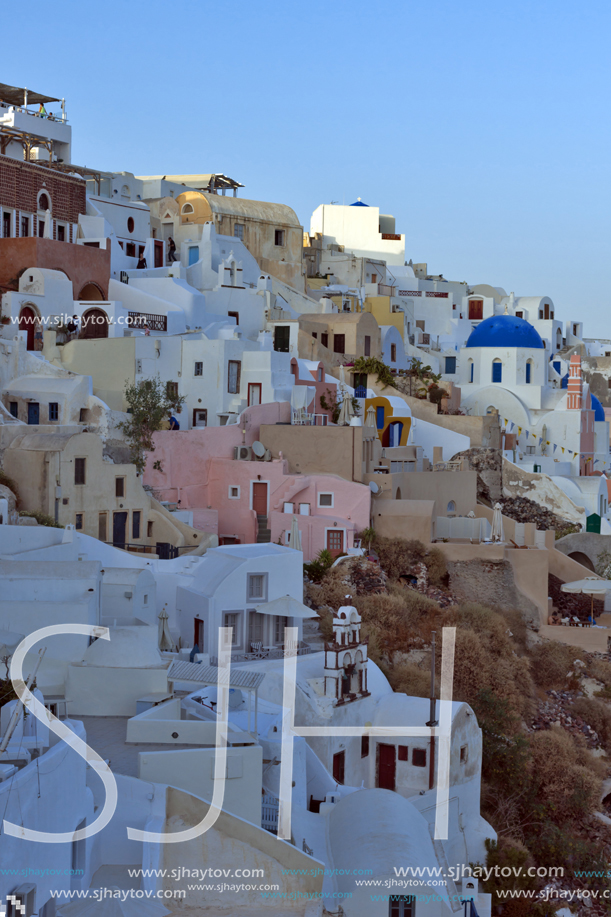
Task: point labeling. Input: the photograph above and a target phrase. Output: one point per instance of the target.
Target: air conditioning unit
(242, 453)
(22, 901)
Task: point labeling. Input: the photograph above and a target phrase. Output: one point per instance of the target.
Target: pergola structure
(197, 674)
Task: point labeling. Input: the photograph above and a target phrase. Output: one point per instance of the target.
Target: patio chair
(257, 651)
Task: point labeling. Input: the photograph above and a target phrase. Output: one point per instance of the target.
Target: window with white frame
(257, 587)
(325, 500)
(232, 619)
(234, 492)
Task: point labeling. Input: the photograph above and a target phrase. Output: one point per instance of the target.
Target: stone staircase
(264, 535)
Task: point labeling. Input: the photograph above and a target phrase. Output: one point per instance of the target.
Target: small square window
(325, 500)
(78, 522)
(145, 600)
(199, 369)
(364, 746)
(79, 470)
(119, 487)
(171, 389)
(149, 530)
(234, 493)
(238, 231)
(279, 237)
(402, 752)
(464, 754)
(14, 407)
(130, 250)
(53, 410)
(419, 757)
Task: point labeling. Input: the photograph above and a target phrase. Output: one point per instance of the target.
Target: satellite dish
(268, 456)
(258, 448)
(374, 488)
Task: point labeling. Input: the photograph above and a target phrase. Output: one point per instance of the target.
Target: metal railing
(302, 418)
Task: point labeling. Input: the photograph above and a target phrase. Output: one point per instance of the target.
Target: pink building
(244, 500)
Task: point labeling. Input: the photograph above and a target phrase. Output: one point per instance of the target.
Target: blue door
(33, 412)
(193, 254)
(380, 417)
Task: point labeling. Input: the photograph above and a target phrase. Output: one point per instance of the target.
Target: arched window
(471, 370)
(130, 224)
(187, 208)
(529, 367)
(43, 202)
(497, 370)
(451, 507)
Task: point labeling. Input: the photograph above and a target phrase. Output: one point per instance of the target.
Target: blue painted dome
(359, 203)
(599, 411)
(505, 331)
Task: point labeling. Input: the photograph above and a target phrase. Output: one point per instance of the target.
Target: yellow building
(271, 232)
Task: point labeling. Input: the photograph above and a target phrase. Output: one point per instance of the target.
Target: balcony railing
(142, 319)
(303, 419)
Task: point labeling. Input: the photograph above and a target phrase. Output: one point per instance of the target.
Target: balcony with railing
(304, 419)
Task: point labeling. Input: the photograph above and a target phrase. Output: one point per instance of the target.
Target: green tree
(150, 404)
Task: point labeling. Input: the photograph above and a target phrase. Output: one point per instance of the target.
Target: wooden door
(119, 527)
(335, 541)
(158, 254)
(259, 498)
(339, 766)
(33, 412)
(27, 321)
(198, 634)
(386, 767)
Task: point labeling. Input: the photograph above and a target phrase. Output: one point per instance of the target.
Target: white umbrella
(165, 638)
(112, 907)
(295, 535)
(346, 411)
(497, 524)
(370, 417)
(286, 607)
(589, 586)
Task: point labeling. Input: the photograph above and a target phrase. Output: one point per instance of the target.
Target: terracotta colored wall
(80, 263)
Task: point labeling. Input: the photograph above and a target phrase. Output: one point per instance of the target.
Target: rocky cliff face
(488, 464)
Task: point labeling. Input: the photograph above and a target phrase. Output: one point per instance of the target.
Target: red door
(335, 541)
(386, 767)
(27, 321)
(339, 766)
(198, 634)
(259, 498)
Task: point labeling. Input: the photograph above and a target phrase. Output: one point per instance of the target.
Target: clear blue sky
(483, 126)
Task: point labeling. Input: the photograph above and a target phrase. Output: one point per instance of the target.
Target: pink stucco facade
(199, 470)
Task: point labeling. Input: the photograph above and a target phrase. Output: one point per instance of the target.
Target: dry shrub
(437, 567)
(568, 787)
(551, 663)
(597, 715)
(478, 666)
(398, 556)
(600, 670)
(397, 621)
(331, 591)
(412, 679)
